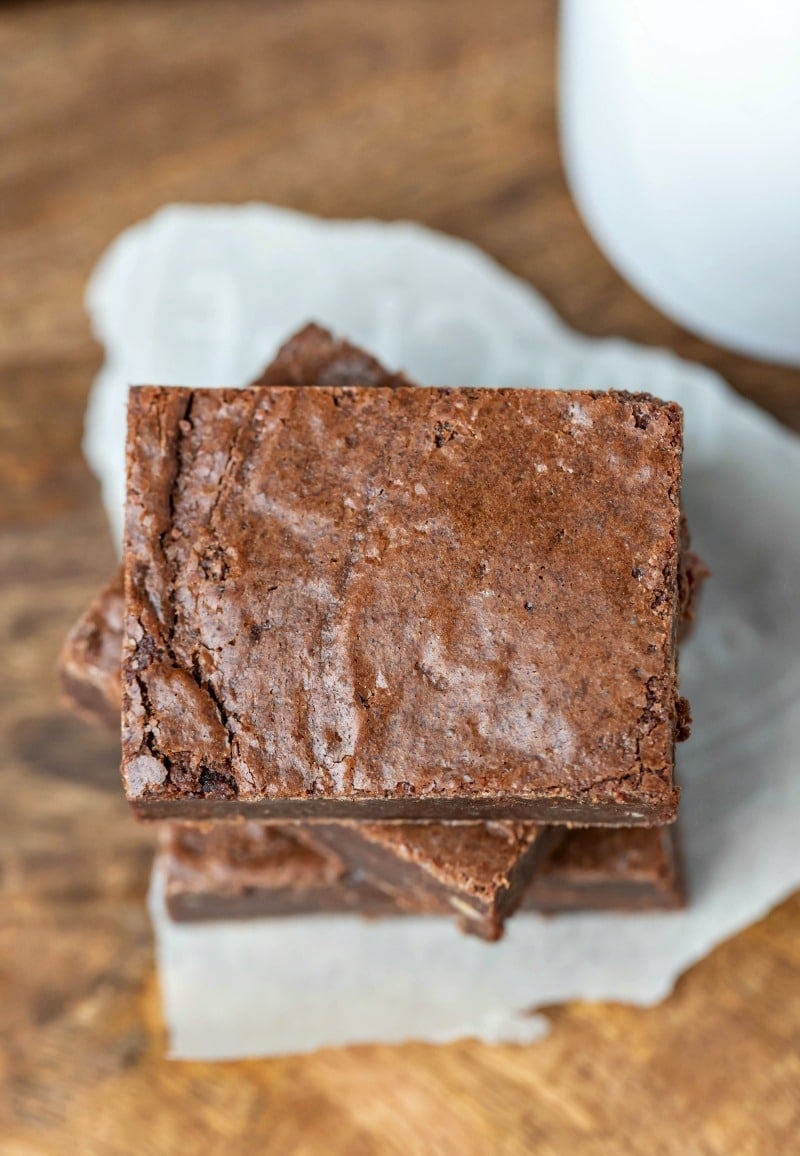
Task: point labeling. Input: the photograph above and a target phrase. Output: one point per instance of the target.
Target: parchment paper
(203, 296)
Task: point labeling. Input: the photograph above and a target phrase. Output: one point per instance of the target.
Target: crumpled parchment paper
(203, 296)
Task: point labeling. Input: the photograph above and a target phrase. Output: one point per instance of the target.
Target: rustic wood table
(435, 110)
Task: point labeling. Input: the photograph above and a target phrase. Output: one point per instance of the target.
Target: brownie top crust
(417, 602)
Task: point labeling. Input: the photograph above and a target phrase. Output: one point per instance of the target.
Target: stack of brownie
(384, 649)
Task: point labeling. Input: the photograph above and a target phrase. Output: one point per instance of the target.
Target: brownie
(486, 877)
(313, 356)
(597, 869)
(244, 870)
(89, 662)
(225, 874)
(230, 857)
(402, 603)
(479, 871)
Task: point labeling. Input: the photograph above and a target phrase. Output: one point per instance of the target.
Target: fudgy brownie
(634, 869)
(313, 356)
(476, 871)
(244, 870)
(89, 662)
(233, 871)
(487, 882)
(479, 871)
(90, 675)
(402, 603)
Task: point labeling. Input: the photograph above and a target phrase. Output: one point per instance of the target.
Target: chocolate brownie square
(359, 602)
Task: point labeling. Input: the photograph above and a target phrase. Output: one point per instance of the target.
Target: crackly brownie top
(382, 593)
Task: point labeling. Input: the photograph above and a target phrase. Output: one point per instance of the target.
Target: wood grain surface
(440, 111)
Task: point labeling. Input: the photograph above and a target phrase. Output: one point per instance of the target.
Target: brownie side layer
(332, 603)
(346, 896)
(598, 869)
(246, 870)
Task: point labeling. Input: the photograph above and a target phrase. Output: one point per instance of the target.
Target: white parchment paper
(203, 296)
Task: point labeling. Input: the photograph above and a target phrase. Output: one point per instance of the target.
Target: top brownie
(359, 602)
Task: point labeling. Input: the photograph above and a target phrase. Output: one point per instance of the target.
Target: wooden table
(440, 111)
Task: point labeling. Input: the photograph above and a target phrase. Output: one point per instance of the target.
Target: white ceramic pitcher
(680, 129)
